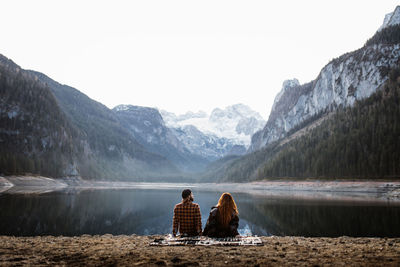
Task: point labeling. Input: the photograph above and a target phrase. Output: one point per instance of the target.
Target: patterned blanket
(169, 240)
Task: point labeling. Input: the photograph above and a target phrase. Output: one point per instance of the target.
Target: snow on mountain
(392, 18)
(237, 122)
(207, 146)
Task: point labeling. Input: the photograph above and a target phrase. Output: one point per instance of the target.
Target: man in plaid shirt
(187, 217)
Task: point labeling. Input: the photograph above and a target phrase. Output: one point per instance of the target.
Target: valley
(347, 115)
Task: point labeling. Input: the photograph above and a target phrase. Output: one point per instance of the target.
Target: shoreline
(368, 190)
(306, 189)
(136, 250)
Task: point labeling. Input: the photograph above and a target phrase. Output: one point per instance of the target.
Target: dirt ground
(108, 250)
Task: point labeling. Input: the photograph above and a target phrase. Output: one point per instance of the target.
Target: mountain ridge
(352, 76)
(293, 141)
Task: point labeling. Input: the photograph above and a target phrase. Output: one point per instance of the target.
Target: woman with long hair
(223, 220)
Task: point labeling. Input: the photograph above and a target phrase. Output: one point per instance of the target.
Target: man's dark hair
(186, 193)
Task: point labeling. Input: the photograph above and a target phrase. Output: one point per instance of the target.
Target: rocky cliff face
(342, 82)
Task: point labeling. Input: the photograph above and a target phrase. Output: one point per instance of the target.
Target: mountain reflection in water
(145, 212)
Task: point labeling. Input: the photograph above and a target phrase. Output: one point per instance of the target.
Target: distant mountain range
(236, 123)
(55, 130)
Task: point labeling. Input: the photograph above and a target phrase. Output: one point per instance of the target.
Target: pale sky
(185, 55)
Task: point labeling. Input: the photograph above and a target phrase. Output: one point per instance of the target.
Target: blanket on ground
(170, 240)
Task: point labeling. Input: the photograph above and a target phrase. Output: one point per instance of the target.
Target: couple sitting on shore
(223, 220)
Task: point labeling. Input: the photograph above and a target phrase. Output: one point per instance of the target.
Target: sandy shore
(135, 250)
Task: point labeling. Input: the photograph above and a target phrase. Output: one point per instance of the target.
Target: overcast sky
(185, 55)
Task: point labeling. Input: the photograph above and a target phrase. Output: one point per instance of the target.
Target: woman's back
(215, 228)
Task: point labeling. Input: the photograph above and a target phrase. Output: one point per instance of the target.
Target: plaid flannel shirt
(187, 218)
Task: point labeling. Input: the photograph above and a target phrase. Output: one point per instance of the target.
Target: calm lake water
(149, 211)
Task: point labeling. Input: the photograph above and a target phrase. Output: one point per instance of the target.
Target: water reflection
(298, 217)
(138, 211)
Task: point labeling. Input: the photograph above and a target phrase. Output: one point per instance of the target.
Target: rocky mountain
(345, 123)
(54, 130)
(236, 123)
(44, 122)
(341, 83)
(117, 154)
(187, 147)
(208, 146)
(35, 135)
(147, 127)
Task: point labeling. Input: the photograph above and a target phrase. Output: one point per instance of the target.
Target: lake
(147, 211)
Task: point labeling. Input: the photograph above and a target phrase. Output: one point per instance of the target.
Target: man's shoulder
(195, 205)
(178, 205)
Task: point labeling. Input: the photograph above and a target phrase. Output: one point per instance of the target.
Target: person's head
(187, 194)
(227, 207)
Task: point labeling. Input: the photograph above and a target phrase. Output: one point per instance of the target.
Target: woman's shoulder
(214, 211)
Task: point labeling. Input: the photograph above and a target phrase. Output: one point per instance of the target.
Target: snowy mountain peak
(237, 122)
(392, 18)
(171, 118)
(235, 111)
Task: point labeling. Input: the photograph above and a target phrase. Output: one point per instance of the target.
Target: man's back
(187, 218)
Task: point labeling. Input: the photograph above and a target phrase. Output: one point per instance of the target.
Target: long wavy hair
(227, 208)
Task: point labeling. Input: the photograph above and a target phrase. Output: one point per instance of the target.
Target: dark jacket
(215, 229)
